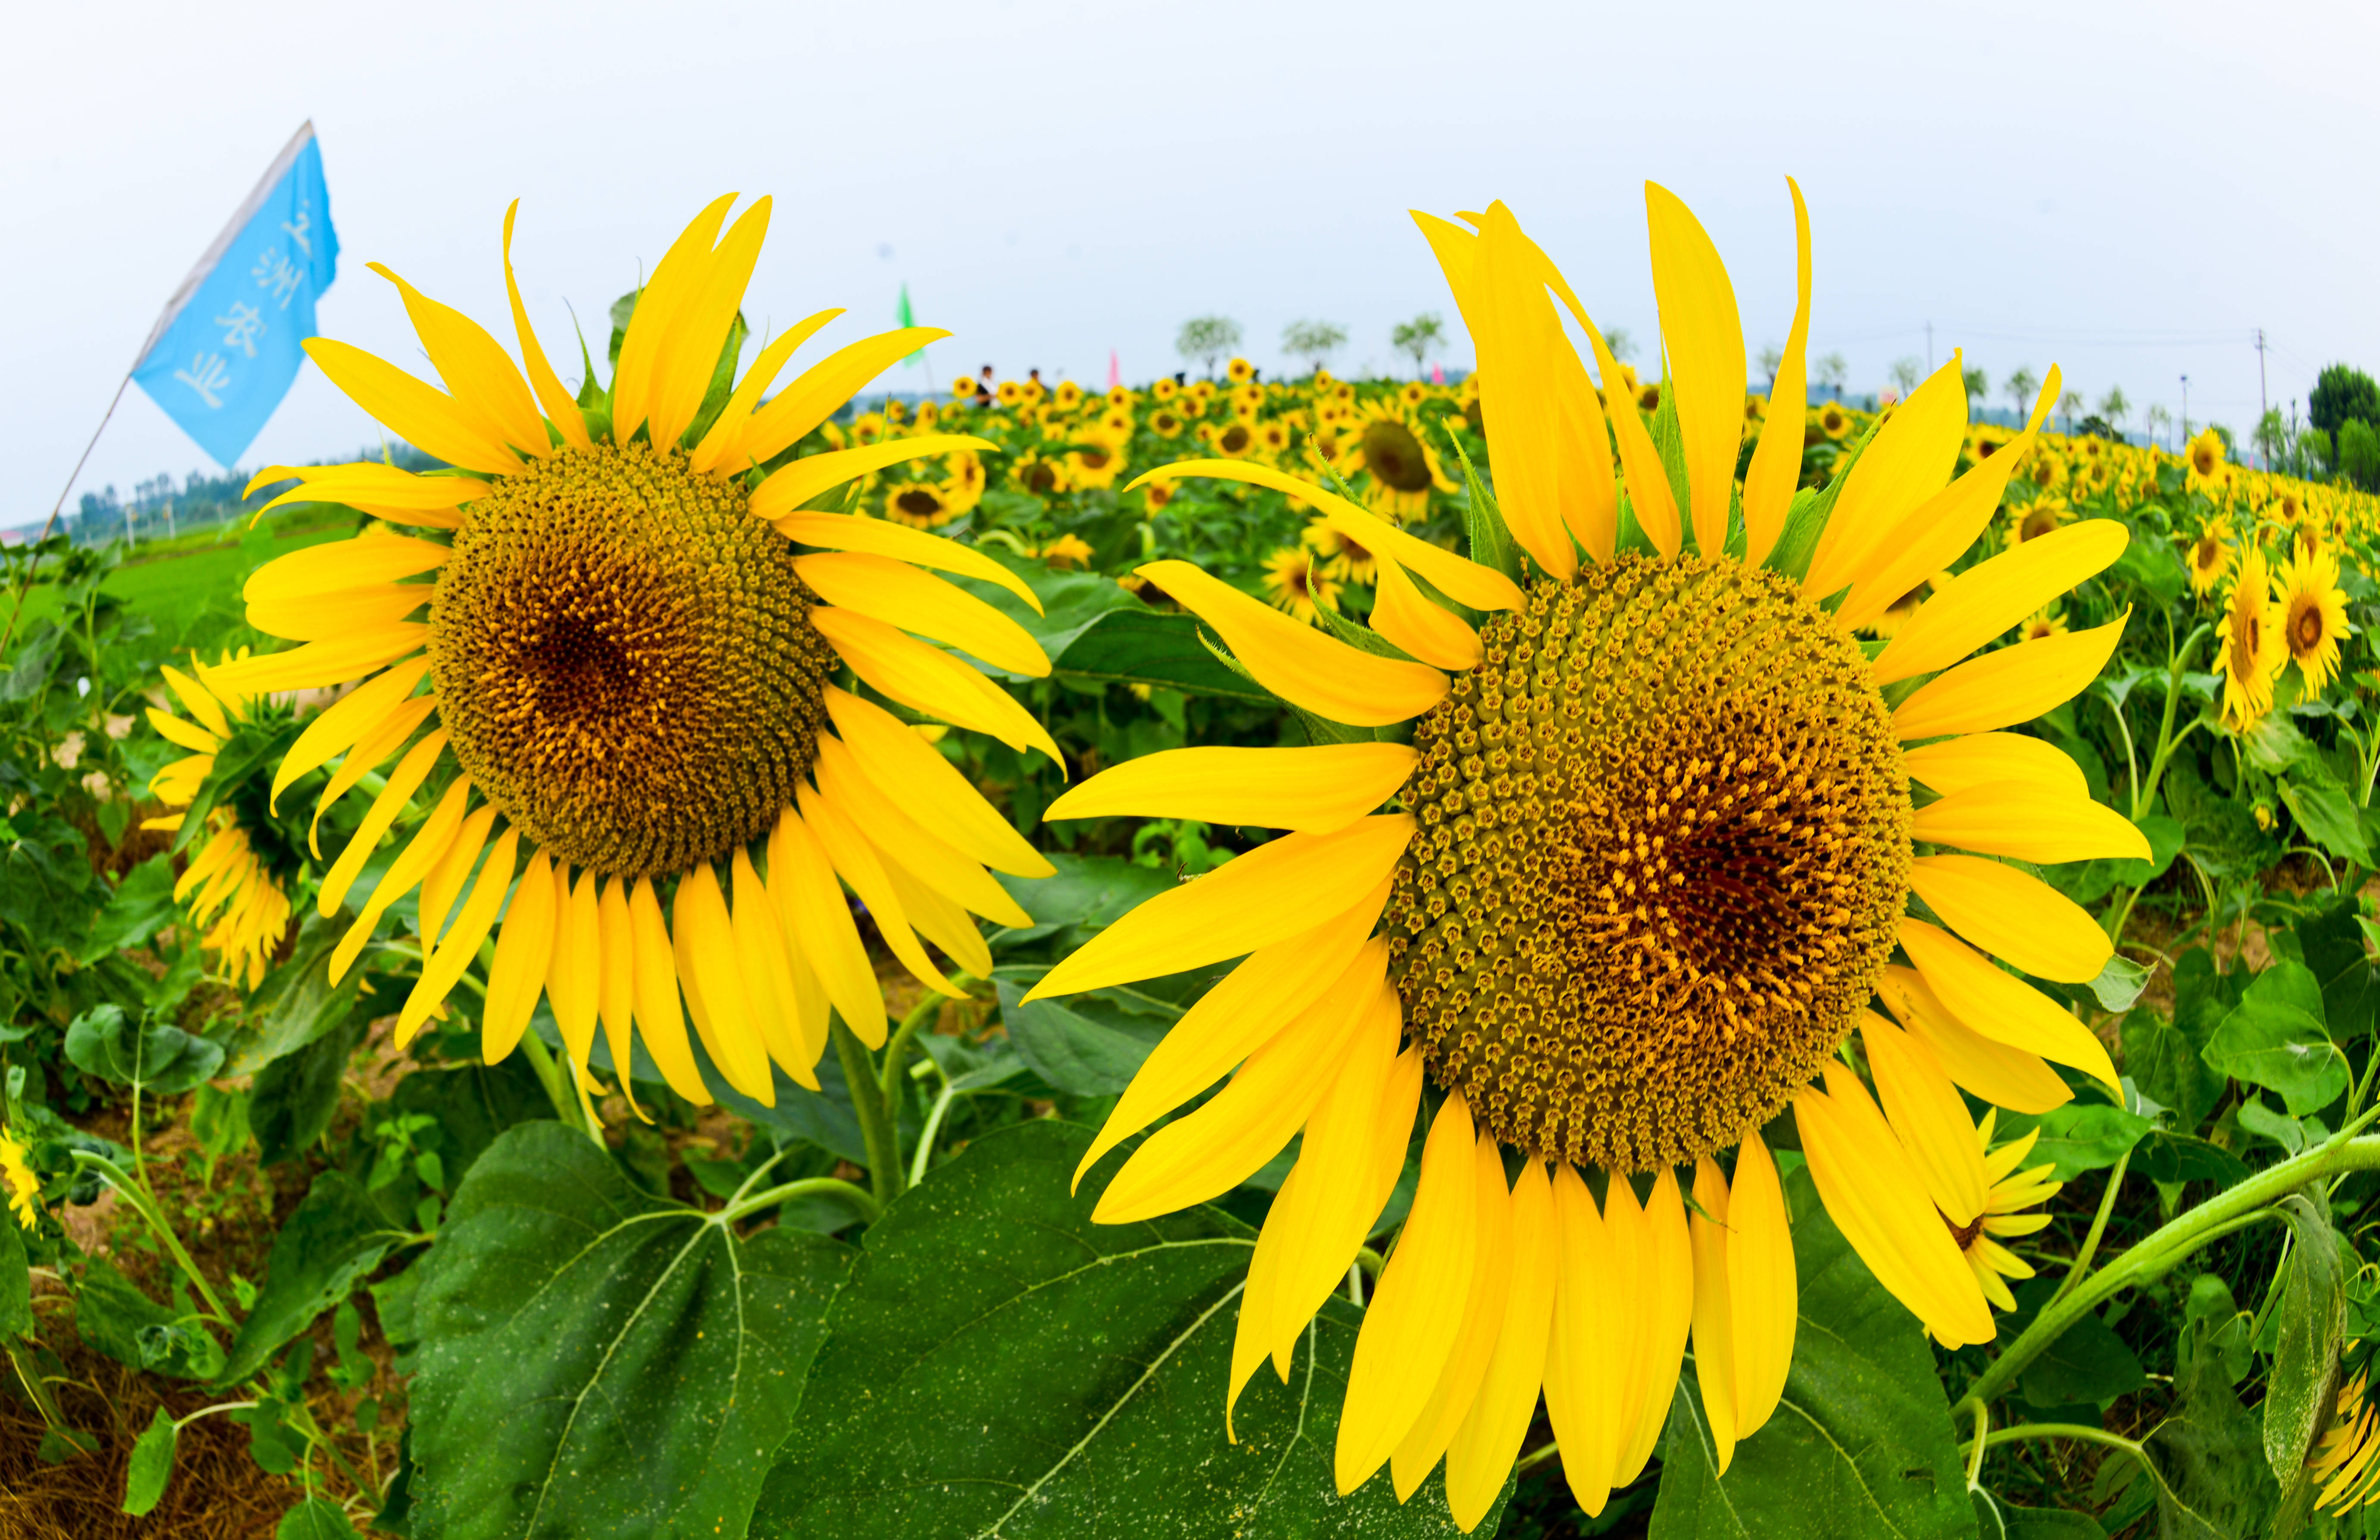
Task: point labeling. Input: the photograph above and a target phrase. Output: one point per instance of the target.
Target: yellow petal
(1763, 1292)
(928, 680)
(1489, 1440)
(1526, 367)
(2024, 819)
(345, 722)
(1593, 1335)
(189, 734)
(445, 880)
(1450, 1402)
(2002, 1075)
(1297, 662)
(1415, 1315)
(461, 946)
(1990, 598)
(822, 389)
(1429, 632)
(1714, 1332)
(2015, 684)
(384, 492)
(2014, 916)
(855, 862)
(421, 853)
(485, 386)
(1908, 461)
(1313, 790)
(1246, 1123)
(658, 305)
(795, 482)
(774, 1000)
(325, 616)
(1955, 764)
(1242, 1014)
(1649, 494)
(844, 783)
(898, 594)
(1666, 1285)
(930, 788)
(198, 700)
(524, 953)
(1460, 579)
(401, 783)
(315, 664)
(573, 978)
(660, 1018)
(718, 447)
(1272, 892)
(698, 335)
(940, 921)
(558, 402)
(1776, 467)
(712, 974)
(1253, 1334)
(419, 413)
(375, 745)
(1925, 1109)
(1864, 1177)
(342, 564)
(820, 929)
(1703, 335)
(2000, 1007)
(616, 986)
(882, 537)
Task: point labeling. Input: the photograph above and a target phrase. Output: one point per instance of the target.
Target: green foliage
(2342, 395)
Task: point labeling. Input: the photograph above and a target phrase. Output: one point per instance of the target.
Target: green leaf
(2326, 815)
(2079, 1136)
(1071, 603)
(999, 1365)
(1141, 646)
(152, 1465)
(2179, 1158)
(2120, 983)
(159, 1060)
(2206, 1459)
(1085, 895)
(2312, 1320)
(331, 1243)
(2164, 1061)
(2332, 942)
(16, 1281)
(1071, 1052)
(297, 1003)
(2087, 1362)
(594, 1362)
(1860, 1445)
(293, 1095)
(116, 1318)
(315, 1519)
(142, 905)
(2152, 566)
(219, 1120)
(2274, 1038)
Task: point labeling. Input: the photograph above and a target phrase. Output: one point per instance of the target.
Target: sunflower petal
(399, 789)
(312, 665)
(1489, 1440)
(524, 953)
(690, 350)
(2021, 819)
(660, 1018)
(1450, 1402)
(819, 928)
(328, 616)
(846, 785)
(2012, 685)
(716, 451)
(1908, 461)
(1314, 790)
(341, 565)
(1650, 498)
(882, 537)
(1764, 1294)
(822, 390)
(558, 403)
(421, 853)
(1523, 379)
(1665, 1278)
(1714, 1330)
(711, 971)
(348, 721)
(2014, 916)
(1925, 1109)
(926, 679)
(416, 411)
(652, 325)
(1955, 764)
(366, 756)
(1593, 1335)
(899, 595)
(930, 788)
(475, 369)
(188, 735)
(2004, 1008)
(855, 862)
(1429, 632)
(1299, 663)
(1988, 598)
(1993, 1070)
(1702, 333)
(1775, 466)
(198, 700)
(461, 946)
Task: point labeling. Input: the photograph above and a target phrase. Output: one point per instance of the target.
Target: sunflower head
(2035, 517)
(1294, 582)
(1240, 372)
(919, 504)
(1066, 551)
(2312, 614)
(2210, 556)
(2342, 1462)
(22, 1189)
(2204, 458)
(2255, 651)
(1832, 420)
(2009, 1202)
(1069, 396)
(1166, 388)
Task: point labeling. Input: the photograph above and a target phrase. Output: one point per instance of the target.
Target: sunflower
(1066, 551)
(2343, 1461)
(1166, 423)
(2312, 614)
(2035, 517)
(1984, 441)
(1344, 556)
(1413, 393)
(1888, 622)
(1239, 371)
(1293, 582)
(962, 388)
(232, 887)
(2210, 556)
(634, 629)
(2204, 464)
(1648, 396)
(1037, 475)
(919, 504)
(1156, 495)
(2047, 621)
(2010, 1193)
(1096, 464)
(1473, 908)
(1236, 440)
(1166, 388)
(1399, 467)
(1069, 396)
(1832, 420)
(962, 489)
(2253, 653)
(1011, 392)
(24, 1188)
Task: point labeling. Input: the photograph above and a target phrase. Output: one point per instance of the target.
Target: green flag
(907, 318)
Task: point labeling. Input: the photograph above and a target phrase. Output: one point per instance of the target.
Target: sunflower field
(1233, 956)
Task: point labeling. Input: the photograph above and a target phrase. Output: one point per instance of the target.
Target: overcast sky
(2127, 189)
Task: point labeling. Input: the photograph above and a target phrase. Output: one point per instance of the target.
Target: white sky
(2124, 188)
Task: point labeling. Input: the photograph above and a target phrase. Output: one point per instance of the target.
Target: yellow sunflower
(1393, 455)
(1156, 495)
(2035, 517)
(2343, 1461)
(2010, 1193)
(1239, 371)
(2313, 613)
(1096, 464)
(1166, 423)
(1166, 388)
(2203, 461)
(919, 504)
(2049, 621)
(632, 630)
(1235, 439)
(1465, 908)
(2210, 556)
(1069, 396)
(1984, 441)
(24, 1189)
(1293, 582)
(1344, 556)
(962, 388)
(1066, 551)
(232, 887)
(2253, 653)
(1832, 420)
(1039, 475)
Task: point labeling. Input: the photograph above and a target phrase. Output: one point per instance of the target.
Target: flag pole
(25, 582)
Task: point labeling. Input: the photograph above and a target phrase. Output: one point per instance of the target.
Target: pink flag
(1115, 375)
(1438, 374)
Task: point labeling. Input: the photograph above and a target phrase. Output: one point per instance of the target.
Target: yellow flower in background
(1166, 388)
(1069, 397)
(2047, 622)
(2205, 470)
(1037, 475)
(2210, 556)
(2344, 1461)
(1239, 371)
(1984, 441)
(1399, 467)
(1066, 551)
(1166, 423)
(232, 893)
(1832, 420)
(1094, 465)
(962, 388)
(1235, 439)
(625, 681)
(919, 504)
(2035, 517)
(2312, 614)
(1494, 930)
(1901, 611)
(2010, 1194)
(1157, 495)
(24, 1188)
(1293, 582)
(1344, 556)
(2254, 652)
(1648, 397)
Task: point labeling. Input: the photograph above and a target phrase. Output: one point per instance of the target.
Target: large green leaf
(293, 1095)
(999, 1365)
(2079, 1136)
(594, 1361)
(1140, 646)
(142, 905)
(1860, 1445)
(2204, 1459)
(16, 1279)
(2275, 1037)
(1073, 1051)
(157, 1058)
(334, 1239)
(1071, 603)
(2327, 814)
(297, 1003)
(2332, 942)
(2312, 1318)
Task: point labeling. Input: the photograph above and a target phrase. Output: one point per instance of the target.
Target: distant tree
(1906, 373)
(2313, 452)
(1771, 361)
(1623, 346)
(2271, 437)
(2359, 452)
(2019, 387)
(1417, 336)
(1208, 338)
(2230, 445)
(1313, 339)
(2070, 404)
(1979, 386)
(2158, 420)
(2343, 394)
(2115, 407)
(1834, 373)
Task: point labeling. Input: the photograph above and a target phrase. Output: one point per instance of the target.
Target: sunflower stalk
(884, 1174)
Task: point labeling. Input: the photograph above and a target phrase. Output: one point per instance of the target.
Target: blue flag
(223, 354)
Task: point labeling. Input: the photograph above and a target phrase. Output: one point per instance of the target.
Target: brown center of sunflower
(1393, 453)
(2305, 627)
(1963, 1235)
(1235, 438)
(625, 659)
(1663, 849)
(918, 502)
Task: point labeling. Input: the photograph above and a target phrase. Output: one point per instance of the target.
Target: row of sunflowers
(1663, 956)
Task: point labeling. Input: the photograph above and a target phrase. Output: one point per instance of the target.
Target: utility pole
(2185, 409)
(1929, 347)
(2263, 405)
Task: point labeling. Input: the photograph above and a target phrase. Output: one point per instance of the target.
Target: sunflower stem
(769, 1197)
(548, 1075)
(2081, 1431)
(2234, 1208)
(884, 1175)
(2081, 1265)
(897, 1050)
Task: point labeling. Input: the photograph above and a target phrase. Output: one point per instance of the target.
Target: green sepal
(1492, 545)
(722, 383)
(1630, 538)
(590, 394)
(1804, 522)
(1669, 442)
(1361, 638)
